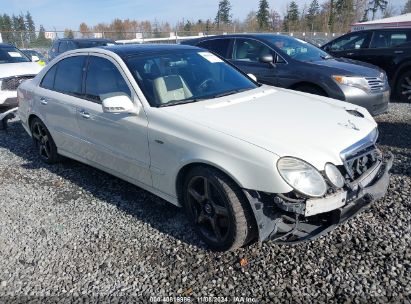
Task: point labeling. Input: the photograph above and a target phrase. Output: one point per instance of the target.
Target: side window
(69, 75)
(350, 42)
(48, 79)
(250, 50)
(385, 39)
(63, 47)
(104, 79)
(218, 46)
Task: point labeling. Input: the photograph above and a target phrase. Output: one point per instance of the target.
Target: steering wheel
(206, 84)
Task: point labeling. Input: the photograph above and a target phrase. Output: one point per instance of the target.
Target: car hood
(19, 68)
(284, 122)
(349, 67)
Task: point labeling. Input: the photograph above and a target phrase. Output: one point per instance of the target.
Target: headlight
(356, 82)
(301, 176)
(334, 175)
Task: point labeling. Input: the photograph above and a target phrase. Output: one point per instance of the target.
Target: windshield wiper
(179, 102)
(229, 93)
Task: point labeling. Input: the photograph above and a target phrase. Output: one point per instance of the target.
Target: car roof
(6, 44)
(84, 39)
(139, 49)
(244, 35)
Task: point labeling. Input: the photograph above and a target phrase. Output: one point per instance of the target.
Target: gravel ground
(74, 233)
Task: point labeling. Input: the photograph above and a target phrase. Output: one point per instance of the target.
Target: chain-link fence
(43, 40)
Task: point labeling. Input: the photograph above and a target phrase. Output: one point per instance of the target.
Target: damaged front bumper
(291, 222)
(7, 114)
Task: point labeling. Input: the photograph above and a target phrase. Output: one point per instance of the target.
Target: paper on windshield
(210, 57)
(14, 54)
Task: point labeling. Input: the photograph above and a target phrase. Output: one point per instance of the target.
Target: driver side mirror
(326, 48)
(253, 77)
(116, 104)
(35, 58)
(268, 59)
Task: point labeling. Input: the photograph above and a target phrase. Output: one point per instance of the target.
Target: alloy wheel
(209, 209)
(41, 140)
(406, 87)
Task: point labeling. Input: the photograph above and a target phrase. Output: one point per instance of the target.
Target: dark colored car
(390, 49)
(292, 63)
(63, 45)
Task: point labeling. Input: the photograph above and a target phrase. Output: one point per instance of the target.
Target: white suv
(246, 161)
(15, 67)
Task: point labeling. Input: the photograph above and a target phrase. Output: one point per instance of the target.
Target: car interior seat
(171, 87)
(380, 41)
(242, 52)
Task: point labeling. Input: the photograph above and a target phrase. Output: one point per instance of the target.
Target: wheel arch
(182, 173)
(296, 85)
(403, 67)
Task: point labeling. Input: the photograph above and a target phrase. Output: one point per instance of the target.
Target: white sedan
(248, 162)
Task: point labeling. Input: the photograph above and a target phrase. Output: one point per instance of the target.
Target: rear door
(386, 47)
(58, 97)
(114, 141)
(350, 45)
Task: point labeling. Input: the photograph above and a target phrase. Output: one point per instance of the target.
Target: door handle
(399, 52)
(43, 100)
(84, 114)
(350, 54)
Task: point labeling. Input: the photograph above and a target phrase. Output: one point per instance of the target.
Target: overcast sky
(61, 14)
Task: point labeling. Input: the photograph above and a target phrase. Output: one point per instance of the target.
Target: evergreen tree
(313, 12)
(7, 29)
(263, 15)
(407, 7)
(292, 17)
(41, 38)
(30, 27)
(223, 13)
(332, 16)
(344, 13)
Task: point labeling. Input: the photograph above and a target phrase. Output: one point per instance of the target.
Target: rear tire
(218, 209)
(43, 142)
(403, 87)
(312, 90)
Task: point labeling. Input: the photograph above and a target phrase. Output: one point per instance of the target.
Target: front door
(246, 56)
(349, 46)
(115, 141)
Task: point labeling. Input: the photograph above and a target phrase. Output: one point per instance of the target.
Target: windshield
(30, 53)
(297, 49)
(186, 76)
(92, 43)
(10, 54)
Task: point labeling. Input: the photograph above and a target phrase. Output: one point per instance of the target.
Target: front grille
(12, 83)
(357, 164)
(376, 84)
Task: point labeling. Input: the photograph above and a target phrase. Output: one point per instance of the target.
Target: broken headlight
(302, 177)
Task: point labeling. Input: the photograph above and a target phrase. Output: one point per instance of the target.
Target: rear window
(218, 46)
(390, 39)
(69, 75)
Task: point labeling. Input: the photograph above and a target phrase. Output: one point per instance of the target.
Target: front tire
(43, 142)
(218, 209)
(403, 87)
